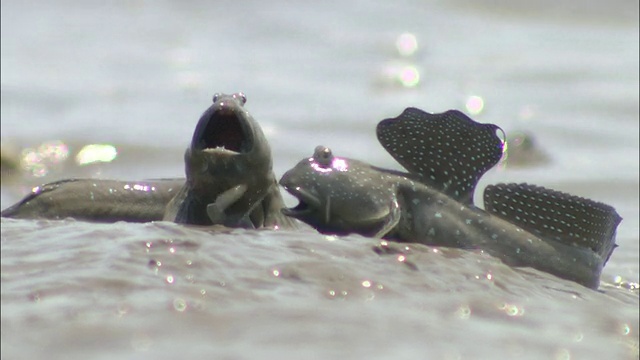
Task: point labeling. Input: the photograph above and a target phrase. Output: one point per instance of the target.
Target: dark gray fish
(340, 195)
(229, 181)
(448, 151)
(97, 200)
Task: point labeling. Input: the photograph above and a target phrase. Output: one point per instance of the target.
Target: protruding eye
(241, 96)
(215, 97)
(323, 155)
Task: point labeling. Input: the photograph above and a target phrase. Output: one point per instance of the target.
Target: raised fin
(556, 215)
(448, 151)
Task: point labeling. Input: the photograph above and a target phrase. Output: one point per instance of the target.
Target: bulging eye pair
(323, 155)
(238, 96)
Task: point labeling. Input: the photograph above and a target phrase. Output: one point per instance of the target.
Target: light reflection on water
(403, 70)
(130, 290)
(53, 155)
(37, 160)
(407, 44)
(93, 153)
(474, 105)
(210, 275)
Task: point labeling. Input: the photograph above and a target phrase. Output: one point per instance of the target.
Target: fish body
(523, 225)
(97, 200)
(229, 181)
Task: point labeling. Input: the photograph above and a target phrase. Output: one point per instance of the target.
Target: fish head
(337, 195)
(227, 146)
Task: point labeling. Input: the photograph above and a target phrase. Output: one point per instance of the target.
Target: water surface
(137, 76)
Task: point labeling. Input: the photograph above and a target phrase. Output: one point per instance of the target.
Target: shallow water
(137, 76)
(161, 289)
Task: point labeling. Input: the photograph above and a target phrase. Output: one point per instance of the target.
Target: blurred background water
(132, 77)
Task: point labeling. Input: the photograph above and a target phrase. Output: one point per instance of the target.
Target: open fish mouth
(223, 130)
(308, 203)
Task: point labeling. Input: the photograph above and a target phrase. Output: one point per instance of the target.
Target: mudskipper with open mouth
(229, 181)
(446, 154)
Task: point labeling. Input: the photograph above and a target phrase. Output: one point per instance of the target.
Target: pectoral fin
(216, 210)
(391, 221)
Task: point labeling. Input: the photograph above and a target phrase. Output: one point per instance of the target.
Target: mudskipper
(446, 154)
(229, 181)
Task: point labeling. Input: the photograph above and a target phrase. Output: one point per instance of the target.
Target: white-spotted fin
(555, 215)
(449, 151)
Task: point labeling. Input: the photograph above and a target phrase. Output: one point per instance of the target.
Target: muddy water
(136, 77)
(163, 290)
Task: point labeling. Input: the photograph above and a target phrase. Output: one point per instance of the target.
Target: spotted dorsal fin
(555, 215)
(448, 151)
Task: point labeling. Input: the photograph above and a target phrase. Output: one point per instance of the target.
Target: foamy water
(138, 75)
